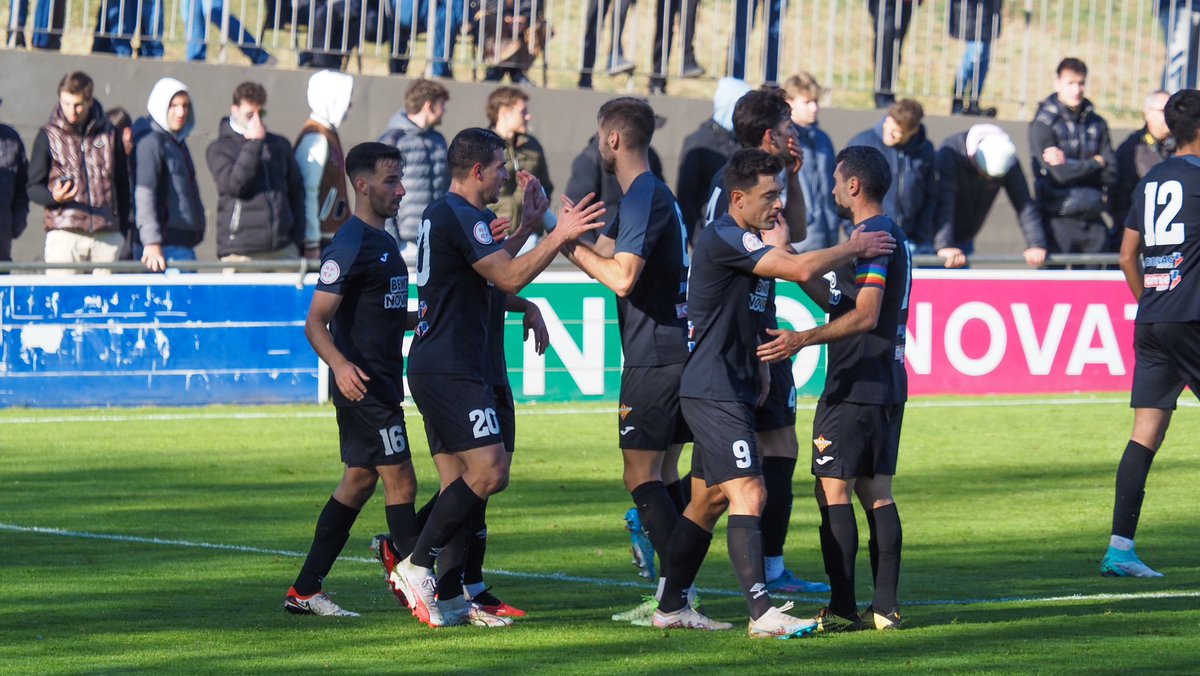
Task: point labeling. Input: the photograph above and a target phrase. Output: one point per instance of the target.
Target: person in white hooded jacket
(322, 162)
(167, 207)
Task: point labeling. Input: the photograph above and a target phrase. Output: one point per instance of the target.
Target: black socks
(777, 475)
(746, 554)
(659, 515)
(689, 545)
(1131, 485)
(402, 528)
(839, 547)
(886, 540)
(333, 529)
(453, 509)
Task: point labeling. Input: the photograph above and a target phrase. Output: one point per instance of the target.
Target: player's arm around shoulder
(805, 267)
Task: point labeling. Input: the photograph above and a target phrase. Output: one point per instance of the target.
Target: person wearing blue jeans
(977, 22)
(741, 38)
(117, 21)
(445, 36)
(48, 19)
(197, 13)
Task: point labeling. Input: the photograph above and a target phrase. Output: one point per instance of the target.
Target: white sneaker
(420, 590)
(776, 623)
(687, 618)
(317, 604)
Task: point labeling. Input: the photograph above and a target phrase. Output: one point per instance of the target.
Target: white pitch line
(594, 581)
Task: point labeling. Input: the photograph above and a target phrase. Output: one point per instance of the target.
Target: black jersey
(453, 299)
(653, 318)
(1166, 211)
(726, 302)
(496, 372)
(363, 265)
(868, 368)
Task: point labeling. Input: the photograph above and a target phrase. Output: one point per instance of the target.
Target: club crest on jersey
(751, 242)
(624, 411)
(422, 329)
(483, 234)
(822, 443)
(330, 272)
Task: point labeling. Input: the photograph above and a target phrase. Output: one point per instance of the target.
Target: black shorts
(460, 412)
(649, 417)
(725, 446)
(779, 409)
(506, 412)
(373, 435)
(855, 440)
(1168, 357)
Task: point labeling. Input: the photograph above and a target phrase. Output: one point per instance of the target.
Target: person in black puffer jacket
(260, 212)
(1074, 164)
(14, 201)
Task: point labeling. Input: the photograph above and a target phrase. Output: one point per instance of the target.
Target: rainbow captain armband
(871, 274)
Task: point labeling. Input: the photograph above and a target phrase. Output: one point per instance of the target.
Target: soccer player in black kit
(356, 324)
(723, 381)
(642, 257)
(1160, 256)
(856, 428)
(458, 259)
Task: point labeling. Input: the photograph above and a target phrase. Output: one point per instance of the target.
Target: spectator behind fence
(889, 21)
(972, 167)
(912, 199)
(665, 13)
(122, 125)
(976, 22)
(426, 173)
(49, 17)
(597, 10)
(1138, 153)
(79, 172)
(14, 200)
(816, 174)
(447, 24)
(508, 116)
(510, 36)
(327, 23)
(1180, 21)
(1074, 164)
(322, 162)
(704, 152)
(167, 207)
(197, 14)
(117, 21)
(742, 25)
(260, 210)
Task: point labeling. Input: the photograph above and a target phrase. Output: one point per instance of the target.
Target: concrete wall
(563, 120)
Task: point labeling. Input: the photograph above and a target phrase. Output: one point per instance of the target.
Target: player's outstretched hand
(577, 218)
(535, 203)
(785, 344)
(535, 325)
(871, 244)
(500, 228)
(351, 381)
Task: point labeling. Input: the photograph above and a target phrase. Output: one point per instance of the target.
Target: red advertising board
(1018, 332)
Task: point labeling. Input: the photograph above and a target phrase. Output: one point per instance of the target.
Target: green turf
(997, 501)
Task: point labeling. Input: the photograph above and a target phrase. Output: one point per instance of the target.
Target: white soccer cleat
(776, 623)
(687, 618)
(419, 587)
(316, 604)
(480, 617)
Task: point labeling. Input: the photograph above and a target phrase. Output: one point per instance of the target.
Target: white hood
(160, 102)
(329, 96)
(725, 98)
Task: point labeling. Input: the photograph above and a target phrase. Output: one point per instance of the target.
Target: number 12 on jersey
(1159, 228)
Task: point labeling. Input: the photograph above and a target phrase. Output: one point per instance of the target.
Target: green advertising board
(583, 362)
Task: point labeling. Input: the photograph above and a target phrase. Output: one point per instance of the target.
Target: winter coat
(1076, 188)
(321, 158)
(975, 20)
(704, 152)
(966, 196)
(816, 180)
(167, 206)
(261, 195)
(588, 175)
(912, 200)
(426, 172)
(1138, 153)
(14, 174)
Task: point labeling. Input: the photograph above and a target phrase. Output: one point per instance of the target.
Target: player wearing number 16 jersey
(457, 260)
(1160, 256)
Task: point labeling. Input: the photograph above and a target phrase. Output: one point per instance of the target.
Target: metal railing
(1131, 46)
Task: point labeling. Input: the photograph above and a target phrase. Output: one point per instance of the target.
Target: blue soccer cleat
(1125, 563)
(640, 547)
(788, 583)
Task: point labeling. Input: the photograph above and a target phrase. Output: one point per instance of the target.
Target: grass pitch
(1006, 506)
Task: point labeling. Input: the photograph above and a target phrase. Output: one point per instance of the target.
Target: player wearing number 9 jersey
(457, 260)
(1160, 256)
(356, 324)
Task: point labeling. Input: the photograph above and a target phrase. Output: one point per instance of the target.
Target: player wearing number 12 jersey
(1160, 256)
(457, 260)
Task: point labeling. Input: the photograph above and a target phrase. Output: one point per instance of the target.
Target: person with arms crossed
(356, 324)
(1160, 256)
(723, 382)
(856, 428)
(457, 258)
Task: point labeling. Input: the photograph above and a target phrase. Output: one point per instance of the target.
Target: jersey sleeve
(337, 264)
(638, 232)
(475, 240)
(739, 249)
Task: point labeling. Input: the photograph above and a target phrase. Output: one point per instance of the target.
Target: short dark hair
(472, 146)
(747, 165)
(869, 166)
(1182, 113)
(364, 158)
(1072, 64)
(502, 97)
(119, 119)
(755, 113)
(632, 117)
(421, 92)
(251, 92)
(76, 82)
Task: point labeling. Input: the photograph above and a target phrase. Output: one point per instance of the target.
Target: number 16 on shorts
(393, 440)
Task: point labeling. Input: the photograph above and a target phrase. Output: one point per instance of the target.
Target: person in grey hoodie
(167, 207)
(426, 172)
(322, 162)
